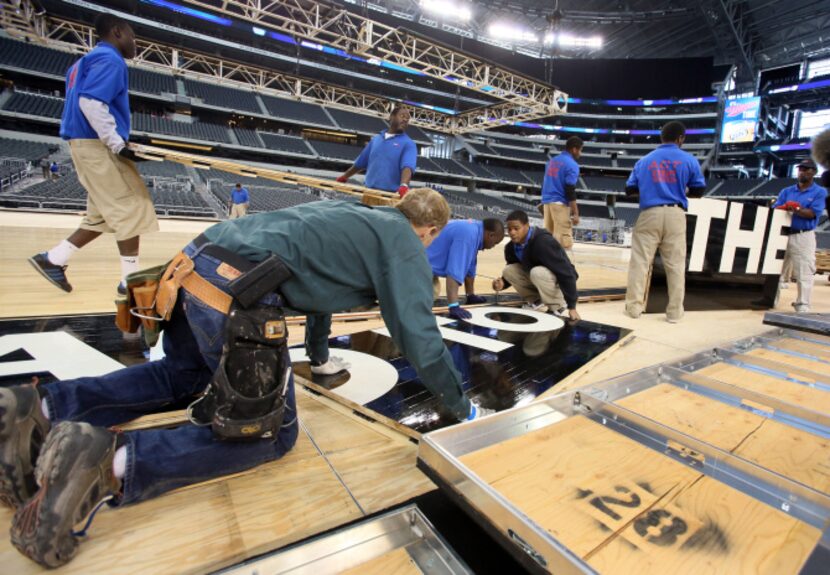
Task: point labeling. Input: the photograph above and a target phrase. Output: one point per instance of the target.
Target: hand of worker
(128, 154)
(402, 190)
(541, 208)
(342, 179)
(458, 312)
(573, 315)
(575, 219)
(498, 284)
(473, 299)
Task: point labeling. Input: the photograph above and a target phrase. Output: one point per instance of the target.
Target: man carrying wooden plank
(538, 267)
(96, 122)
(225, 346)
(389, 159)
(454, 255)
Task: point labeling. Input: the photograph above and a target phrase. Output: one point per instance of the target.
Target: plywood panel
(627, 509)
(397, 562)
(791, 360)
(775, 446)
(789, 391)
(816, 350)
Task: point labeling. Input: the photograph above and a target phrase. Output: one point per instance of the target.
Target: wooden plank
(789, 391)
(816, 367)
(627, 509)
(396, 562)
(786, 450)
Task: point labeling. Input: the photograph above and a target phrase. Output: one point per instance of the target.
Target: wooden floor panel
(817, 367)
(817, 350)
(788, 391)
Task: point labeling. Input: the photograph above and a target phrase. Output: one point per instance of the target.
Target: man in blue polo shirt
(389, 158)
(239, 202)
(559, 193)
(454, 255)
(96, 122)
(805, 201)
(661, 179)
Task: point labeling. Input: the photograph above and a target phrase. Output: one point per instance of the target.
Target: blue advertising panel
(740, 120)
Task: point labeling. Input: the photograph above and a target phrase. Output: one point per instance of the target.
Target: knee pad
(246, 397)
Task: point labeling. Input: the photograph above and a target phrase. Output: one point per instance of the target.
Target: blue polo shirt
(519, 249)
(813, 198)
(454, 253)
(384, 160)
(239, 196)
(561, 171)
(100, 75)
(663, 176)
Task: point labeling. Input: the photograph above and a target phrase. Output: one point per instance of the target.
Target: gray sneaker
(75, 475)
(23, 429)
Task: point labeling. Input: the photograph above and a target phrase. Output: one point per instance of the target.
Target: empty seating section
(604, 184)
(12, 172)
(628, 214)
(536, 176)
(300, 112)
(161, 170)
(65, 193)
(480, 148)
(503, 203)
(603, 162)
(228, 178)
(427, 165)
(34, 105)
(463, 212)
(771, 188)
(180, 201)
(247, 137)
(418, 135)
(336, 151)
(479, 171)
(266, 199)
(626, 162)
(290, 144)
(823, 240)
(30, 56)
(24, 149)
(451, 166)
(508, 175)
(593, 211)
(530, 154)
(737, 187)
(222, 96)
(151, 82)
(192, 131)
(352, 122)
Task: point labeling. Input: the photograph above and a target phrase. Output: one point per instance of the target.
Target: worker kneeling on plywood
(219, 303)
(538, 267)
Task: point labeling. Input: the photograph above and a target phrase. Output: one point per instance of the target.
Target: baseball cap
(808, 164)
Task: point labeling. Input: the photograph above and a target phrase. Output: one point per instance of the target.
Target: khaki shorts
(117, 199)
(558, 223)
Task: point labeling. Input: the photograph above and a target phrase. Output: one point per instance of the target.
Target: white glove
(332, 366)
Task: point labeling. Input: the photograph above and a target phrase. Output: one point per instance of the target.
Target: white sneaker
(332, 366)
(477, 412)
(537, 306)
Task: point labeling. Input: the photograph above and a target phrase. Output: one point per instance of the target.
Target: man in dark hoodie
(538, 267)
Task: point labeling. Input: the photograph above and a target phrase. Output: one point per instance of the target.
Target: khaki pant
(238, 211)
(801, 250)
(558, 223)
(117, 199)
(538, 285)
(662, 228)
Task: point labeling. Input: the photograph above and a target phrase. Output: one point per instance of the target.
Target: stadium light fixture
(447, 8)
(570, 41)
(509, 32)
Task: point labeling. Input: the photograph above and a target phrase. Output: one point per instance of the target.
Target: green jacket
(345, 255)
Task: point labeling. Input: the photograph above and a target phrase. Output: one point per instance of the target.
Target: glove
(473, 299)
(342, 179)
(458, 312)
(402, 190)
(128, 154)
(792, 205)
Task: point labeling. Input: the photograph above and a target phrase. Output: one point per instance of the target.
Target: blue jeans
(159, 460)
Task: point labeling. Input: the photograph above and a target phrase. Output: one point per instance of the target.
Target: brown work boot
(75, 475)
(23, 429)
